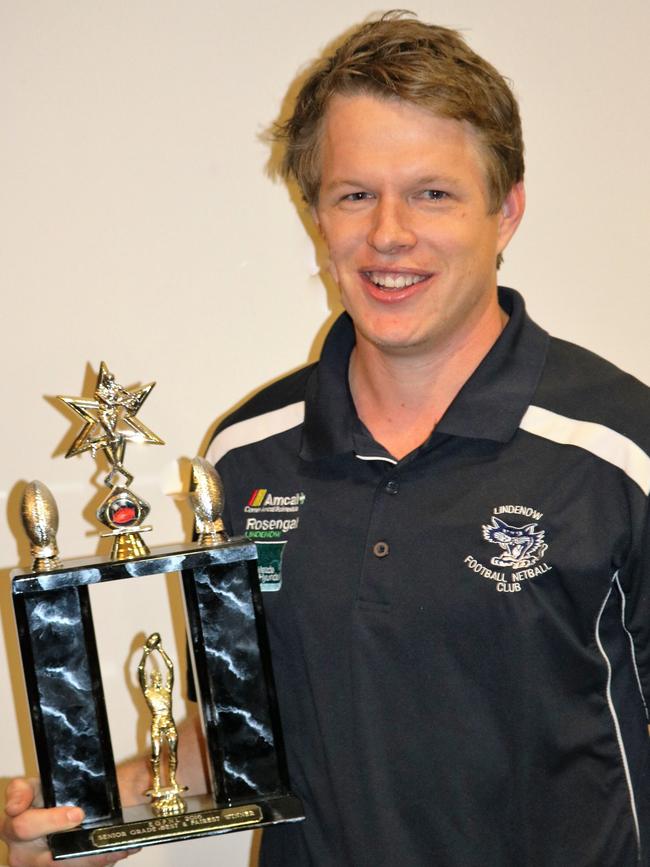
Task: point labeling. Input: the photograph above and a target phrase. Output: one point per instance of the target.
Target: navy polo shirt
(459, 638)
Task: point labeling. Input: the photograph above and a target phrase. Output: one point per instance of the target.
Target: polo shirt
(459, 638)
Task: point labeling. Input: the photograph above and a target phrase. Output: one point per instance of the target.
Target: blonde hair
(398, 56)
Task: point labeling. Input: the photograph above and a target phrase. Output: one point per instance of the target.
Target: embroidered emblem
(267, 518)
(283, 509)
(521, 546)
(269, 564)
(262, 500)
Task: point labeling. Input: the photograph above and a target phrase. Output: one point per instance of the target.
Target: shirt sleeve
(634, 580)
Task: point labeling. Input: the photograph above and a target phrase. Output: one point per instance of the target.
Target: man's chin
(394, 342)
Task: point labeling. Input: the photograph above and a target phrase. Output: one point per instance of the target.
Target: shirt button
(380, 549)
(391, 487)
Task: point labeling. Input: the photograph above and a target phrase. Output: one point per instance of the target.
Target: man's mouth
(394, 280)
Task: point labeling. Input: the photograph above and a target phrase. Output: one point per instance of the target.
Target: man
(457, 504)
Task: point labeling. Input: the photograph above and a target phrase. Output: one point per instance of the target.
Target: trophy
(228, 646)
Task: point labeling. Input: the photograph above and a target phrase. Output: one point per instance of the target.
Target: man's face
(403, 209)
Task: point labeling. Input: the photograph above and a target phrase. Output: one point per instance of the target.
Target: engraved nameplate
(176, 826)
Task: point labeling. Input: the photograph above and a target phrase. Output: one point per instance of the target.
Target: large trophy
(228, 648)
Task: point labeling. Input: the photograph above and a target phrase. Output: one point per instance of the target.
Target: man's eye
(356, 197)
(434, 195)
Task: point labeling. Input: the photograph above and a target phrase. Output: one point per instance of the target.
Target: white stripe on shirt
(601, 441)
(252, 430)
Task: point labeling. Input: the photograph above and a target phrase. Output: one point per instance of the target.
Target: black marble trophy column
(64, 687)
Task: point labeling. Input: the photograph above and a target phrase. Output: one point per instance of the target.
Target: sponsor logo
(268, 517)
(269, 565)
(257, 498)
(259, 527)
(262, 500)
(521, 548)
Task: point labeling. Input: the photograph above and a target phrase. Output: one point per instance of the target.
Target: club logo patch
(520, 544)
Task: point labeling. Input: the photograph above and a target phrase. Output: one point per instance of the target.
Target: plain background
(138, 225)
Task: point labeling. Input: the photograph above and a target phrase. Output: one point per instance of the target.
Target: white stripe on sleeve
(601, 441)
(252, 430)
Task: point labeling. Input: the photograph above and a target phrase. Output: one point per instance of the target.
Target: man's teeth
(395, 281)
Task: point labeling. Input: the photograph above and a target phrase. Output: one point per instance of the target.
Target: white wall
(137, 225)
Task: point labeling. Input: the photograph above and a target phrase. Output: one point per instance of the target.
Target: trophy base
(126, 546)
(167, 801)
(202, 819)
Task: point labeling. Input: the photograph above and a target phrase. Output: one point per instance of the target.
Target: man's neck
(400, 397)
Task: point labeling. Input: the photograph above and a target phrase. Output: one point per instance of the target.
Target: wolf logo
(521, 546)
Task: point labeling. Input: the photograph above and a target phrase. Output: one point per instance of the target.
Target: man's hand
(26, 824)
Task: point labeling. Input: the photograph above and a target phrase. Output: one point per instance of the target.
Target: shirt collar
(330, 415)
(493, 400)
(489, 406)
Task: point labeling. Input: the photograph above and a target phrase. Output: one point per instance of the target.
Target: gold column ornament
(207, 501)
(110, 423)
(157, 690)
(40, 517)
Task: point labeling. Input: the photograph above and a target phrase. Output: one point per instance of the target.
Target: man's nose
(391, 229)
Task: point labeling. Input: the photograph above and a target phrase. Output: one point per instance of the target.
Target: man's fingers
(26, 826)
(25, 821)
(34, 823)
(20, 795)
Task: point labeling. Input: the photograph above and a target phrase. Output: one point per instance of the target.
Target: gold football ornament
(207, 501)
(40, 517)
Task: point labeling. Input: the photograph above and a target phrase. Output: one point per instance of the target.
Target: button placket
(379, 577)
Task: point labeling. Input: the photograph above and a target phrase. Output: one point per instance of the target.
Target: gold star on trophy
(109, 424)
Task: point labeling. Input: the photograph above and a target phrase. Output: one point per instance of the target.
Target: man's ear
(315, 218)
(510, 214)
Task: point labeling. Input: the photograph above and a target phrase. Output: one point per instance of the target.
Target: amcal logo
(257, 497)
(263, 500)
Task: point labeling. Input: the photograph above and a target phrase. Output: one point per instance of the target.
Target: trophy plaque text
(228, 648)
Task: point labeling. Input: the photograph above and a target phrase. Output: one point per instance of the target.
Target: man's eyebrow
(345, 182)
(424, 181)
(435, 180)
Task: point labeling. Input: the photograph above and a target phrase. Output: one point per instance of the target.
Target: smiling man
(451, 506)
(404, 208)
